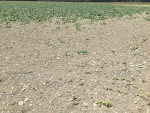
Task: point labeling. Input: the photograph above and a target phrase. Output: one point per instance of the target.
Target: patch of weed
(83, 52)
(60, 41)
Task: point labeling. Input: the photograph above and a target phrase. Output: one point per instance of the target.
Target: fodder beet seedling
(132, 78)
(113, 51)
(87, 38)
(70, 80)
(74, 97)
(124, 69)
(106, 103)
(143, 80)
(108, 88)
(138, 70)
(115, 78)
(122, 79)
(140, 95)
(128, 80)
(119, 91)
(124, 62)
(87, 72)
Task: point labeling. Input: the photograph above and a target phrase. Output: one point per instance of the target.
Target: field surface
(74, 58)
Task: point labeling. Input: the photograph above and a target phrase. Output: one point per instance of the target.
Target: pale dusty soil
(35, 68)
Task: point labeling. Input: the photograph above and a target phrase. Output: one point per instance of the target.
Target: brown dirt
(39, 74)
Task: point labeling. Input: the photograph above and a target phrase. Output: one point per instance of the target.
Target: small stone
(94, 104)
(20, 103)
(30, 105)
(75, 103)
(135, 102)
(26, 99)
(85, 104)
(23, 89)
(71, 99)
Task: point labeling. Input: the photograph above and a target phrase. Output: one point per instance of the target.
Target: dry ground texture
(95, 67)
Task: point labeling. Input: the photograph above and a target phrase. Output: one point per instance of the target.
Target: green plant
(106, 103)
(132, 78)
(115, 78)
(33, 87)
(97, 59)
(87, 72)
(87, 38)
(122, 79)
(134, 48)
(124, 69)
(119, 91)
(138, 70)
(60, 41)
(70, 80)
(108, 88)
(78, 26)
(128, 80)
(143, 80)
(147, 18)
(74, 97)
(103, 23)
(125, 93)
(124, 62)
(57, 27)
(113, 51)
(143, 40)
(83, 52)
(140, 95)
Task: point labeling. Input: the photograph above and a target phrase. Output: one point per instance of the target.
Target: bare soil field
(89, 67)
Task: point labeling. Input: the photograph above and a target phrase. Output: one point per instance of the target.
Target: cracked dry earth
(42, 71)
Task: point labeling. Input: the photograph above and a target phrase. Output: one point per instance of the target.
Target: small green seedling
(33, 87)
(124, 62)
(124, 69)
(138, 70)
(87, 72)
(106, 103)
(125, 92)
(140, 95)
(128, 80)
(113, 51)
(108, 88)
(70, 80)
(74, 97)
(143, 80)
(132, 78)
(122, 79)
(119, 91)
(115, 78)
(87, 38)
